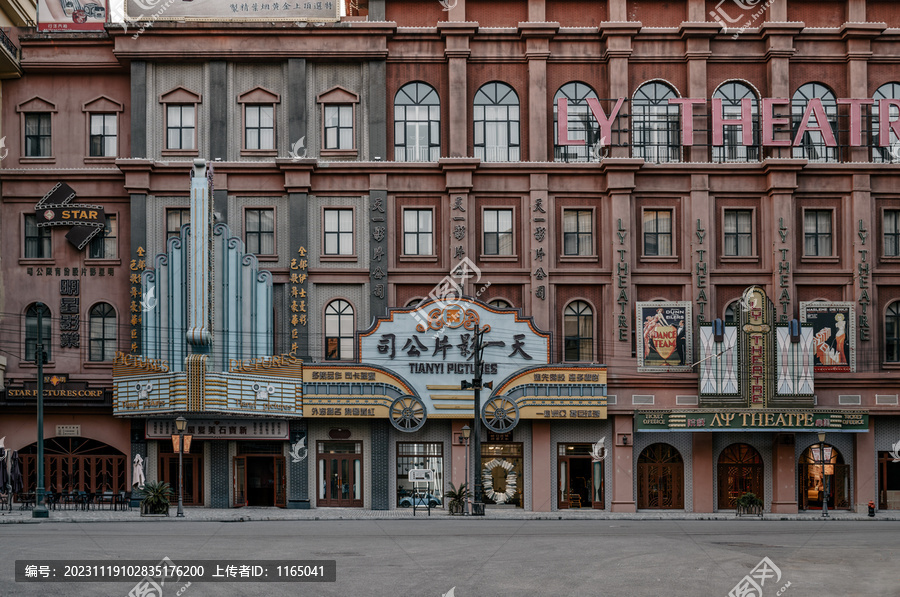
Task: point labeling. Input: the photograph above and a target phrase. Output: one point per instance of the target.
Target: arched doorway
(814, 478)
(660, 478)
(75, 464)
(740, 471)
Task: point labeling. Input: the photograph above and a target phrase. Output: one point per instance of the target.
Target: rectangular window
(103, 135)
(338, 127)
(180, 127)
(176, 217)
(259, 131)
(103, 246)
(259, 231)
(738, 233)
(338, 232)
(37, 135)
(37, 240)
(817, 233)
(417, 232)
(577, 232)
(892, 233)
(658, 233)
(420, 456)
(498, 232)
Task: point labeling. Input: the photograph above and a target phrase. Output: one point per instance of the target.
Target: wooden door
(280, 483)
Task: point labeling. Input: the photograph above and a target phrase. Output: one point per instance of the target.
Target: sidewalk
(247, 514)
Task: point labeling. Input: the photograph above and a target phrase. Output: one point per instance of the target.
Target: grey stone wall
(218, 463)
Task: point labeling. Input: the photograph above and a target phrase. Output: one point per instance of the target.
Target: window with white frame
(417, 124)
(339, 332)
(812, 144)
(259, 127)
(338, 126)
(732, 93)
(338, 232)
(656, 124)
(418, 232)
(496, 120)
(581, 124)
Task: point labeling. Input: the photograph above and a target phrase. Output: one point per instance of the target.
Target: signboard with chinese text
(215, 10)
(663, 334)
(752, 420)
(834, 334)
(574, 392)
(220, 429)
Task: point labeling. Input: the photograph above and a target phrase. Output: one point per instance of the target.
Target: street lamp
(824, 476)
(180, 422)
(40, 509)
(466, 431)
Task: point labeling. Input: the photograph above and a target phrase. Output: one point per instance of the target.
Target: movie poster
(71, 15)
(834, 334)
(664, 341)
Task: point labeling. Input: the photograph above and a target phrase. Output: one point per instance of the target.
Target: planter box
(145, 512)
(456, 509)
(749, 511)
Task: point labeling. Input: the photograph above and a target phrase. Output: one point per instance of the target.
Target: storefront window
(818, 481)
(888, 482)
(412, 455)
(580, 479)
(502, 474)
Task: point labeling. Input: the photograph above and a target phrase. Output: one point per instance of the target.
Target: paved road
(485, 558)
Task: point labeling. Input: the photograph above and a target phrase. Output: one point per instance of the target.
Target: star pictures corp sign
(815, 119)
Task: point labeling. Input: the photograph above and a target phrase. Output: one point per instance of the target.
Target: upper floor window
(500, 304)
(176, 217)
(657, 232)
(498, 232)
(338, 232)
(738, 230)
(103, 246)
(418, 232)
(37, 135)
(37, 239)
(581, 124)
(259, 231)
(338, 122)
(892, 333)
(817, 232)
(497, 123)
(732, 147)
(339, 332)
(812, 144)
(417, 124)
(259, 127)
(891, 227)
(31, 331)
(103, 135)
(180, 127)
(578, 238)
(656, 123)
(731, 312)
(879, 153)
(103, 332)
(578, 327)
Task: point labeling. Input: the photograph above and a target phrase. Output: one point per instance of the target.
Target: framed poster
(663, 334)
(71, 15)
(834, 334)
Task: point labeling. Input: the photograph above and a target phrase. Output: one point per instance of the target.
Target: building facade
(618, 174)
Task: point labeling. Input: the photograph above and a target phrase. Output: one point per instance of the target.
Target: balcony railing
(9, 45)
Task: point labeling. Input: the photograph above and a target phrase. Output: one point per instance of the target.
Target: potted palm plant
(458, 496)
(155, 498)
(750, 504)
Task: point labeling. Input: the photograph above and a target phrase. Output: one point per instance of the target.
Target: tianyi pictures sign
(664, 341)
(834, 334)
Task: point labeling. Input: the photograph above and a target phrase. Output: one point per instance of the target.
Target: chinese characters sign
(213, 429)
(215, 10)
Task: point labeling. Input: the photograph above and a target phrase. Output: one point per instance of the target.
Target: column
(780, 211)
(298, 472)
(542, 454)
(138, 109)
(864, 462)
(784, 475)
(218, 128)
(703, 247)
(382, 477)
(456, 50)
(377, 111)
(702, 468)
(541, 232)
(623, 466)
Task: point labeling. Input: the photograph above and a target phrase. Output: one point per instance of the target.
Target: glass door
(339, 474)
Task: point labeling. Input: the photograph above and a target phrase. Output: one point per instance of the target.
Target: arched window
(656, 124)
(497, 123)
(338, 331)
(731, 313)
(812, 145)
(660, 478)
(883, 154)
(103, 332)
(740, 471)
(582, 125)
(31, 330)
(414, 302)
(733, 149)
(578, 326)
(892, 333)
(417, 124)
(500, 304)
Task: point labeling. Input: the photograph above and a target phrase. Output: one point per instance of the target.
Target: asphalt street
(484, 558)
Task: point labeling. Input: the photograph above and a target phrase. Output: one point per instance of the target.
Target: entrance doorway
(339, 474)
(192, 473)
(259, 475)
(740, 471)
(888, 482)
(816, 480)
(580, 478)
(75, 464)
(660, 478)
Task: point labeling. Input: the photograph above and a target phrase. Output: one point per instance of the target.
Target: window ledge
(890, 365)
(33, 365)
(659, 259)
(265, 257)
(578, 258)
(260, 152)
(103, 261)
(38, 159)
(99, 159)
(180, 152)
(891, 259)
(338, 257)
(338, 153)
(813, 259)
(97, 365)
(499, 257)
(740, 259)
(418, 258)
(42, 261)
